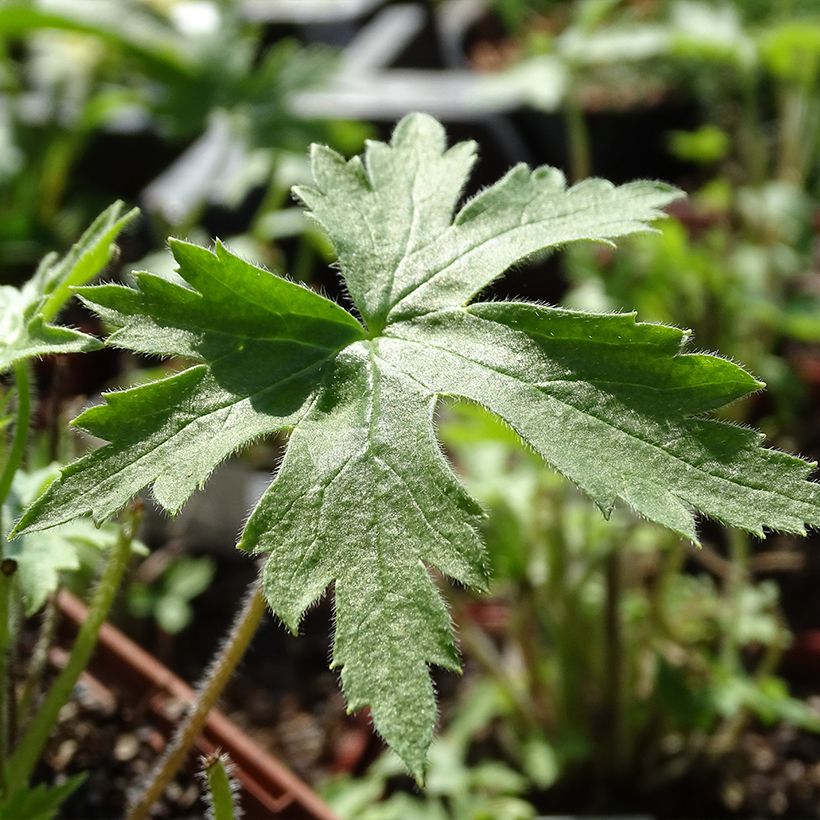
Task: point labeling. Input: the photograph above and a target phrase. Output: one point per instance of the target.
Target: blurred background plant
(165, 594)
(190, 83)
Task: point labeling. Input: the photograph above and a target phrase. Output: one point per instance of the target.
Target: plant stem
(21, 424)
(725, 737)
(614, 665)
(580, 158)
(216, 678)
(752, 143)
(8, 567)
(672, 564)
(481, 649)
(31, 745)
(734, 588)
(39, 657)
(7, 570)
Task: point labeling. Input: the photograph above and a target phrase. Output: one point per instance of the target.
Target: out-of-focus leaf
(43, 556)
(39, 802)
(26, 314)
(705, 145)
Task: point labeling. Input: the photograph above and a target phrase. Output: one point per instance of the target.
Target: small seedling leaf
(26, 313)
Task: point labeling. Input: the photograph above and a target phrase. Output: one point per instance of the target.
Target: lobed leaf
(364, 500)
(26, 313)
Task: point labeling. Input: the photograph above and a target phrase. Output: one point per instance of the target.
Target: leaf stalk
(215, 680)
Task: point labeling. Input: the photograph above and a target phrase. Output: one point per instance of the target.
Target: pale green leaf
(364, 500)
(26, 313)
(389, 218)
(42, 557)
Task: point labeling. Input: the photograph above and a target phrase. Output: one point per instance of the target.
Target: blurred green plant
(32, 569)
(638, 649)
(613, 54)
(458, 787)
(38, 803)
(741, 282)
(194, 74)
(167, 600)
(42, 560)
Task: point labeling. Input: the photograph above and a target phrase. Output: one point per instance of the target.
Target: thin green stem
(21, 424)
(7, 570)
(217, 677)
(735, 586)
(672, 564)
(39, 657)
(799, 121)
(614, 707)
(578, 141)
(480, 648)
(31, 745)
(752, 140)
(8, 567)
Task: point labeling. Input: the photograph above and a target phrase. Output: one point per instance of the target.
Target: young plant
(221, 789)
(31, 566)
(364, 498)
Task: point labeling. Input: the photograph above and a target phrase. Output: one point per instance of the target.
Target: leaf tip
(418, 771)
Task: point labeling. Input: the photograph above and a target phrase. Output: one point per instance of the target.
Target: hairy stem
(31, 745)
(8, 567)
(217, 677)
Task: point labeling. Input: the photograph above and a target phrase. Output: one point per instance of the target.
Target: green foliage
(26, 313)
(705, 145)
(33, 564)
(168, 599)
(515, 13)
(201, 79)
(184, 63)
(38, 803)
(364, 498)
(694, 664)
(456, 788)
(740, 285)
(42, 557)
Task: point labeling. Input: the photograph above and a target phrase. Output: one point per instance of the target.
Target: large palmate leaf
(364, 499)
(26, 313)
